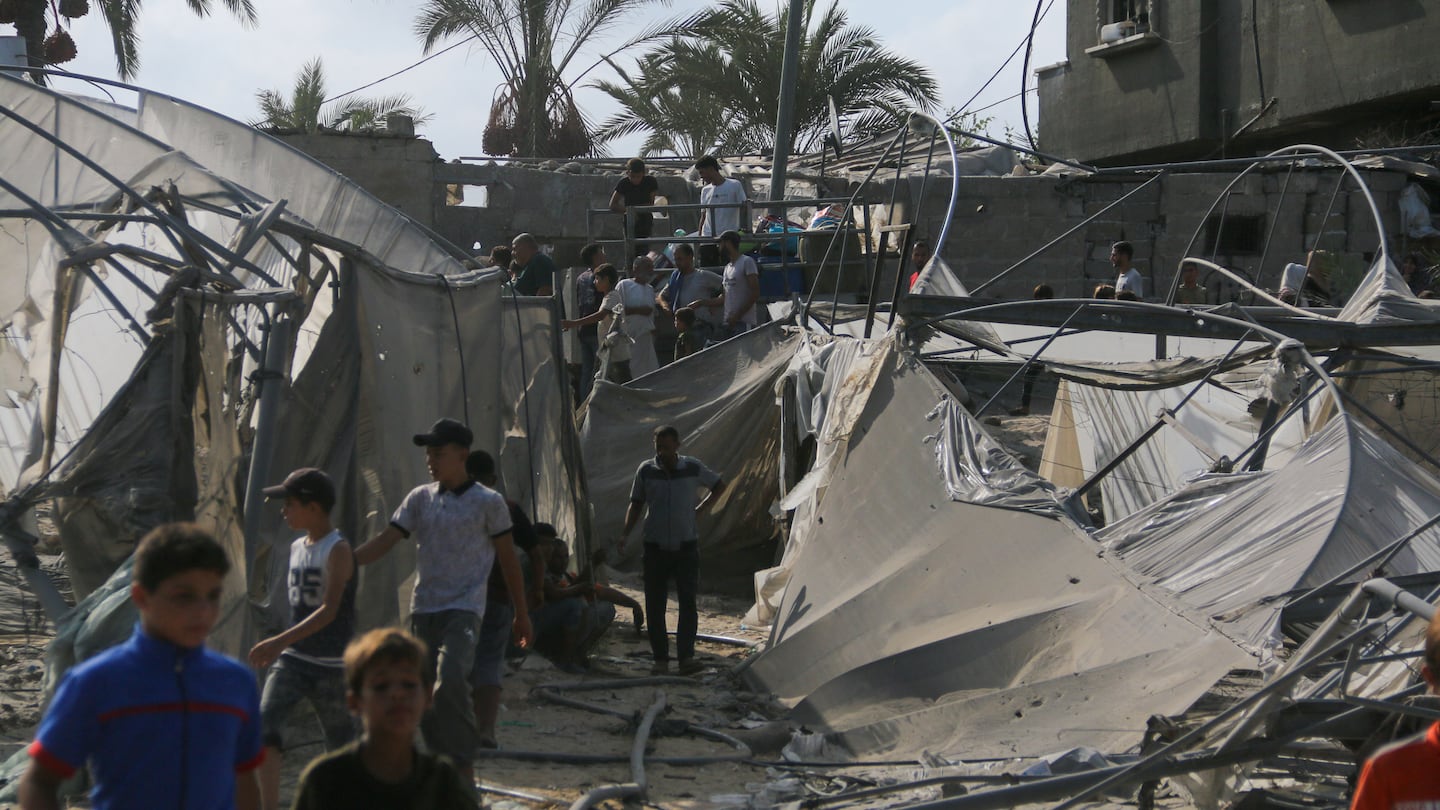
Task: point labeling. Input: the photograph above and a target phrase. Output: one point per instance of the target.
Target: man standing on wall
(636, 188)
(719, 190)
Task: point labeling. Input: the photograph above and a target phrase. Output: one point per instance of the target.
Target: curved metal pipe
(1275, 338)
(1297, 150)
(638, 786)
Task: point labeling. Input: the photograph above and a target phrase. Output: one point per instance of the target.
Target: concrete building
(1163, 80)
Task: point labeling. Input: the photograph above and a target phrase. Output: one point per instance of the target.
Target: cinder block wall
(998, 221)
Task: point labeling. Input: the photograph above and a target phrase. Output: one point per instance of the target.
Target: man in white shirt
(740, 287)
(717, 190)
(1127, 277)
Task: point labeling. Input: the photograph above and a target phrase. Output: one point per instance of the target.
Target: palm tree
(534, 43)
(305, 111)
(29, 19)
(730, 59)
(677, 122)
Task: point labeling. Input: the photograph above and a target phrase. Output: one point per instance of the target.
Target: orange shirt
(1402, 776)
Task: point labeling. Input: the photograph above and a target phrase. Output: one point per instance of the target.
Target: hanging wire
(1025, 74)
(459, 348)
(525, 400)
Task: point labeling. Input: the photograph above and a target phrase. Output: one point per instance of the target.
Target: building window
(1234, 234)
(1117, 19)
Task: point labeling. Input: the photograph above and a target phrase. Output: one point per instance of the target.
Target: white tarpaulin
(1224, 543)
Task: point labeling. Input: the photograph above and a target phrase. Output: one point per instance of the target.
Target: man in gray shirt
(667, 488)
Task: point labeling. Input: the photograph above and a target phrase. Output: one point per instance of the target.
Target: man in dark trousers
(667, 488)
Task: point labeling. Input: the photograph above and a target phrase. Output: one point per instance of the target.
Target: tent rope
(459, 348)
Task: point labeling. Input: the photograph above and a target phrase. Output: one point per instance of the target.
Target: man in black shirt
(635, 188)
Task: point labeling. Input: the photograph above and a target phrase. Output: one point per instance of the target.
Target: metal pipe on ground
(638, 787)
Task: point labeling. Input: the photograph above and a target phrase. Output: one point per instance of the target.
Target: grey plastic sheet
(1223, 545)
(913, 621)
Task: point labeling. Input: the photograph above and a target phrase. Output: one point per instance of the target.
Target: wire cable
(961, 110)
(1025, 75)
(406, 69)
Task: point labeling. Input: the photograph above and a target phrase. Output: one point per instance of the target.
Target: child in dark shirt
(387, 688)
(692, 334)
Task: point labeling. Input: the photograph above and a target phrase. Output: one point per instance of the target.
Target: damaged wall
(998, 219)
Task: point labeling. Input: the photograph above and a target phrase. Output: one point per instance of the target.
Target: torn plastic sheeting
(722, 401)
(1149, 375)
(1214, 422)
(849, 368)
(1407, 399)
(134, 468)
(536, 464)
(1382, 296)
(1222, 544)
(313, 191)
(978, 470)
(887, 637)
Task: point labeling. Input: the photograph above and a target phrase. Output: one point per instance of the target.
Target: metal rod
(276, 350)
(849, 205)
(1154, 428)
(1030, 360)
(1400, 437)
(1274, 221)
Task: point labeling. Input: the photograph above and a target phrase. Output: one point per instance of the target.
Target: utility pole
(785, 121)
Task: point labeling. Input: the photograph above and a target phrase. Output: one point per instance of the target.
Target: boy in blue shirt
(161, 720)
(309, 656)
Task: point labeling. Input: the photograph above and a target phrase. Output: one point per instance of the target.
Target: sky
(218, 63)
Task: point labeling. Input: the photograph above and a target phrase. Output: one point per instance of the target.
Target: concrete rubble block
(1302, 181)
(1385, 181)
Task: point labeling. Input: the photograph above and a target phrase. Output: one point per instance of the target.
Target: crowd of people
(623, 308)
(163, 721)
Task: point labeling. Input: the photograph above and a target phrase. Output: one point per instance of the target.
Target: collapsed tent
(948, 605)
(245, 311)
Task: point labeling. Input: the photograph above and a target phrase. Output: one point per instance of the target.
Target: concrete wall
(1333, 68)
(550, 204)
(1001, 220)
(998, 221)
(398, 170)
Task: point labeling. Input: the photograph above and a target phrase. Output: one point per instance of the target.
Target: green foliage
(304, 110)
(714, 85)
(534, 43)
(962, 122)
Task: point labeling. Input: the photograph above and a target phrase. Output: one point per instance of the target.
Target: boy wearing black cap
(309, 657)
(461, 529)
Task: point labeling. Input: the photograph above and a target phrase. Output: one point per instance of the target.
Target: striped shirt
(670, 497)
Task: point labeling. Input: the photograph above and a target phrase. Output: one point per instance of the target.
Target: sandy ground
(527, 723)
